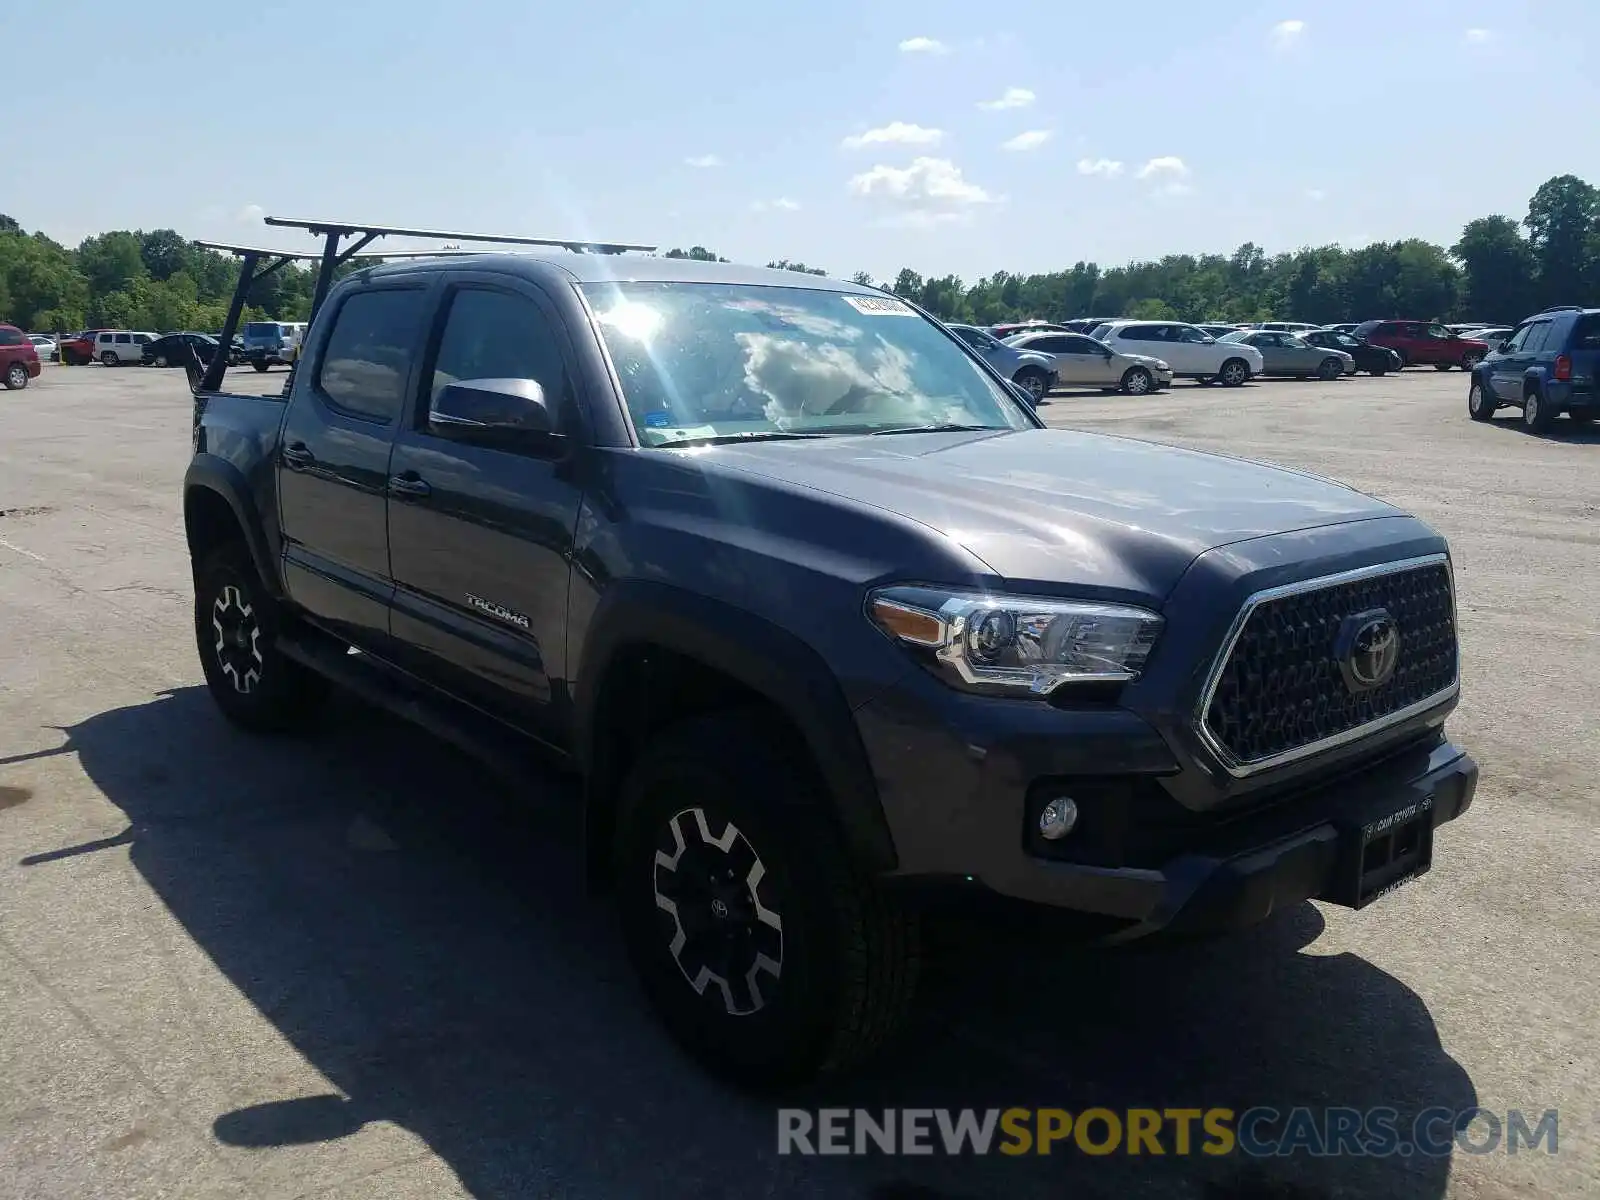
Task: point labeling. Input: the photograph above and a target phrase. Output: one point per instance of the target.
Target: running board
(509, 754)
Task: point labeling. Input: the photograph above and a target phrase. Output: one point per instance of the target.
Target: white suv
(118, 347)
(1191, 351)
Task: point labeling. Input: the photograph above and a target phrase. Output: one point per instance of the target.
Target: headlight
(1017, 645)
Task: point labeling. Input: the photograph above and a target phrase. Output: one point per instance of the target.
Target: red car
(78, 350)
(1424, 344)
(19, 361)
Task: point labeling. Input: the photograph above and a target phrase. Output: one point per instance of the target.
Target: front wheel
(762, 950)
(161, 360)
(1378, 371)
(1469, 361)
(236, 626)
(1136, 381)
(1235, 372)
(1480, 404)
(108, 359)
(16, 377)
(1034, 380)
(1330, 368)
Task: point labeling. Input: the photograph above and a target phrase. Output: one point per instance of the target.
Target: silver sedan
(1286, 354)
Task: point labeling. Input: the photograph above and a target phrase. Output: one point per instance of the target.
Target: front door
(481, 537)
(1506, 370)
(333, 463)
(1083, 360)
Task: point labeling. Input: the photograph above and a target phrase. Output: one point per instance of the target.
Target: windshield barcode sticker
(875, 306)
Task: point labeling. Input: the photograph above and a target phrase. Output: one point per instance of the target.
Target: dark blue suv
(1547, 367)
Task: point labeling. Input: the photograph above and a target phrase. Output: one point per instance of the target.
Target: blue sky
(949, 137)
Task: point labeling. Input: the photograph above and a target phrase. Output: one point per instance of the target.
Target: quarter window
(367, 357)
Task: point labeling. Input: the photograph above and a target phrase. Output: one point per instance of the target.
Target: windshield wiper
(723, 439)
(945, 428)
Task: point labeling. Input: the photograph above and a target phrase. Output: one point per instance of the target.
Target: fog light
(1057, 818)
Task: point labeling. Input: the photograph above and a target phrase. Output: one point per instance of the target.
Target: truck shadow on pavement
(422, 936)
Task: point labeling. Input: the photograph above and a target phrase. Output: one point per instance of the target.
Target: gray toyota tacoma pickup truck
(825, 619)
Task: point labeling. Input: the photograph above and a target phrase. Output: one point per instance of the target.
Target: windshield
(1238, 335)
(701, 360)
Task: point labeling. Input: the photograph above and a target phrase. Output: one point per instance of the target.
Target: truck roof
(631, 268)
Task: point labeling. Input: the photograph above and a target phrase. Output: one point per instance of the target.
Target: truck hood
(1056, 508)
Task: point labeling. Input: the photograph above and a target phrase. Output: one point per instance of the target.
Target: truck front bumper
(965, 813)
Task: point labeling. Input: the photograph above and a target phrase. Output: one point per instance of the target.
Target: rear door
(333, 468)
(481, 537)
(1584, 347)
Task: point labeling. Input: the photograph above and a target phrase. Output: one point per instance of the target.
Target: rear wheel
(1234, 372)
(16, 377)
(108, 359)
(1468, 361)
(236, 626)
(1136, 381)
(762, 950)
(1536, 414)
(1480, 404)
(1330, 368)
(1378, 371)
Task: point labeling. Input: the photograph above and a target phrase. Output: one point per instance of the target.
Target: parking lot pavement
(354, 965)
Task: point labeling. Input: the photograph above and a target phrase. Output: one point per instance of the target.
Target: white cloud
(1175, 188)
(1478, 36)
(1167, 164)
(1316, 194)
(781, 204)
(1109, 167)
(930, 192)
(895, 132)
(1287, 33)
(250, 214)
(703, 160)
(1031, 140)
(923, 45)
(1014, 97)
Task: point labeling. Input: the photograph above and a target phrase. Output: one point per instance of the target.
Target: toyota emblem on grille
(1368, 650)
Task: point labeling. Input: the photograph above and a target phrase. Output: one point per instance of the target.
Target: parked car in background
(1284, 353)
(168, 349)
(1085, 324)
(1424, 344)
(45, 346)
(1191, 351)
(1012, 328)
(1374, 360)
(1285, 326)
(78, 349)
(1467, 327)
(1035, 372)
(1547, 367)
(1343, 326)
(120, 347)
(272, 343)
(1080, 361)
(1218, 331)
(1491, 335)
(19, 361)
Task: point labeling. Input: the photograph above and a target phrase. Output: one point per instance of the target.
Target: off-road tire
(849, 954)
(251, 680)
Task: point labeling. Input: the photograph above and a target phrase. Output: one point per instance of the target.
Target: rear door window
(1537, 332)
(367, 358)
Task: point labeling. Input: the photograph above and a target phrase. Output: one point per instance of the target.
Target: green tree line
(1499, 269)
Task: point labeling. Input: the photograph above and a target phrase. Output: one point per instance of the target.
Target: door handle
(298, 454)
(409, 485)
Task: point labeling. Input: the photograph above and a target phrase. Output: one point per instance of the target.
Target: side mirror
(1503, 346)
(505, 413)
(1106, 352)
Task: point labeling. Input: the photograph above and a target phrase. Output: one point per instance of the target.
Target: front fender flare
(769, 661)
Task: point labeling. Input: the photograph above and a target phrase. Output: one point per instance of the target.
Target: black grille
(1282, 688)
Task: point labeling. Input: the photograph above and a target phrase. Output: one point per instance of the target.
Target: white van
(119, 347)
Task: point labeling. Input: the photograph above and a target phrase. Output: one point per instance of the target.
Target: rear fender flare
(209, 473)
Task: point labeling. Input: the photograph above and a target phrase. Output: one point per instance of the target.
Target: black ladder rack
(257, 262)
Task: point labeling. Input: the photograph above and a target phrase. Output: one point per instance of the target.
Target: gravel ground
(354, 965)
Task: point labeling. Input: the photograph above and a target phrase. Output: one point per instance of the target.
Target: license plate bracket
(1383, 852)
